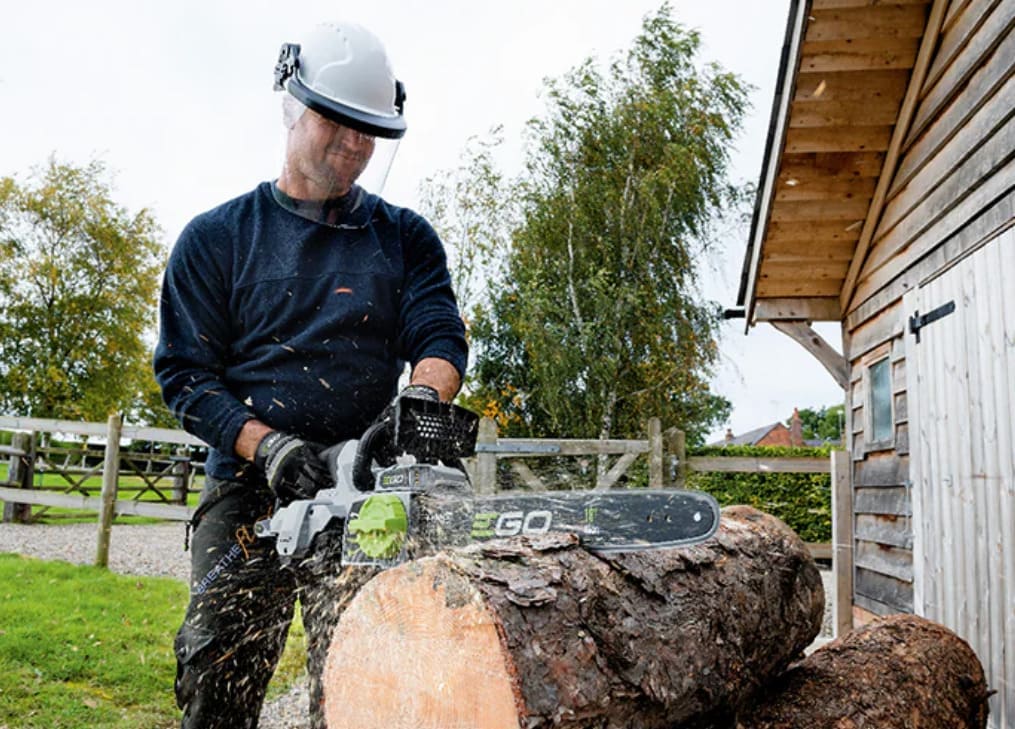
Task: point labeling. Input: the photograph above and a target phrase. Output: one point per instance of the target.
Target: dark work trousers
(241, 604)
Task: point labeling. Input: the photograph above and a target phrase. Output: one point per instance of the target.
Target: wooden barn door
(960, 359)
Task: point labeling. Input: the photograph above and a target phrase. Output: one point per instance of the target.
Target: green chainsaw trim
(380, 527)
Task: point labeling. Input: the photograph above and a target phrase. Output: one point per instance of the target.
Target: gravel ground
(154, 550)
(157, 550)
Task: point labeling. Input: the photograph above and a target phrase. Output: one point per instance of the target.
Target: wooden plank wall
(954, 189)
(882, 530)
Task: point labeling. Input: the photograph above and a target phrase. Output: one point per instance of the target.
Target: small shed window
(881, 401)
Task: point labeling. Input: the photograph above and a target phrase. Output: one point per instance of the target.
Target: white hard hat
(341, 71)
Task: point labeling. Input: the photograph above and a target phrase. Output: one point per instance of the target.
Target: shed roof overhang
(848, 72)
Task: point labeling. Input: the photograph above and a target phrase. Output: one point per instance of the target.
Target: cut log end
(420, 643)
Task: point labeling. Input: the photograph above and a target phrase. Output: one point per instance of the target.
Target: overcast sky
(176, 98)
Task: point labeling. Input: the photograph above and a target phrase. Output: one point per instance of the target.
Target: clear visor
(372, 179)
(333, 157)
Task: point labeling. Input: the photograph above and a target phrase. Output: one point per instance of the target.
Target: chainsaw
(401, 491)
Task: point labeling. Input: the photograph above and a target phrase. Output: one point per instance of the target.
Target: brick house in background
(776, 434)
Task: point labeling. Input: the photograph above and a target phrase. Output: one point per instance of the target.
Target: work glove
(386, 420)
(416, 392)
(291, 466)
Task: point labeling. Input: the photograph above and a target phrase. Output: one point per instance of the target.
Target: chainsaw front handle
(375, 444)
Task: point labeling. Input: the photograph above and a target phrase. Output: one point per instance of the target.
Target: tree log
(538, 632)
(898, 672)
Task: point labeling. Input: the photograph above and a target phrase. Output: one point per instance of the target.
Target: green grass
(84, 647)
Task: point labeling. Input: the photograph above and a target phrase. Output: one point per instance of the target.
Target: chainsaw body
(378, 517)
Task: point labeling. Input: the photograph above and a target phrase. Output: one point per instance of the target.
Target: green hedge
(802, 500)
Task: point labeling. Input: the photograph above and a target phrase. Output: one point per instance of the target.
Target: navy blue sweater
(266, 314)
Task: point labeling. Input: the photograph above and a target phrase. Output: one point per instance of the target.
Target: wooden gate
(960, 355)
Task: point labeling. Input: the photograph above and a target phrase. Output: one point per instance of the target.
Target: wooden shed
(887, 203)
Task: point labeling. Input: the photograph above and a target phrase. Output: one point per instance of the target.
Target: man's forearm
(439, 374)
(250, 436)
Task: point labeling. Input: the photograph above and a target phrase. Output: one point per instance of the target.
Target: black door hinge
(918, 321)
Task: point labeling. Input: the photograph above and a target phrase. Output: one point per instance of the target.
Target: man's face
(331, 155)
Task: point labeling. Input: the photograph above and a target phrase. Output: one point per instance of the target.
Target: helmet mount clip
(288, 62)
(400, 97)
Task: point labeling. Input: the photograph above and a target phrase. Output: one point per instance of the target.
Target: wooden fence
(668, 467)
(660, 448)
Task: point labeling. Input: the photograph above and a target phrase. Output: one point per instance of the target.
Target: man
(287, 317)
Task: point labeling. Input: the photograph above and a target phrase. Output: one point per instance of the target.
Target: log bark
(539, 632)
(898, 672)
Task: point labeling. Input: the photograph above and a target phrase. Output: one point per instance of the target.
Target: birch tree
(599, 322)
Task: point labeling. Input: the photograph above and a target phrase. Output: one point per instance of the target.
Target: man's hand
(291, 466)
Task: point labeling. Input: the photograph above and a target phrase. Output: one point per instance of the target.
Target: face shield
(333, 155)
(372, 178)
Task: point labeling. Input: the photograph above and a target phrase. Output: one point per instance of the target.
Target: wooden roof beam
(852, 86)
(838, 139)
(872, 21)
(824, 165)
(793, 189)
(815, 309)
(802, 333)
(798, 288)
(874, 54)
(822, 113)
(809, 231)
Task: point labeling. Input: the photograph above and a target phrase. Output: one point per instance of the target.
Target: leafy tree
(598, 322)
(824, 424)
(78, 285)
